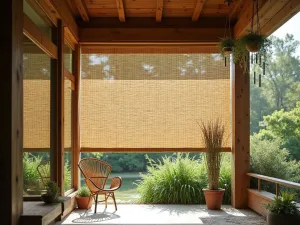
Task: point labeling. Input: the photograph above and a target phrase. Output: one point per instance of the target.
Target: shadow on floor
(90, 217)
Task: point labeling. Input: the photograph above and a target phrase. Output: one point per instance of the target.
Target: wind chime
(256, 48)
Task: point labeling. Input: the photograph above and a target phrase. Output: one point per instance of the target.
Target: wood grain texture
(11, 92)
(198, 9)
(31, 31)
(159, 150)
(257, 200)
(240, 137)
(76, 116)
(121, 12)
(82, 10)
(98, 35)
(159, 10)
(267, 10)
(275, 180)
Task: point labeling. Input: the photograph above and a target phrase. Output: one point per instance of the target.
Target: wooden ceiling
(157, 9)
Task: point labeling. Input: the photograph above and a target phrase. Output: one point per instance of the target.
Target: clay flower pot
(48, 198)
(213, 198)
(253, 46)
(280, 219)
(83, 202)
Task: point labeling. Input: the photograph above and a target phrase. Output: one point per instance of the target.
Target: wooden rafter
(268, 9)
(82, 10)
(159, 10)
(121, 12)
(236, 7)
(198, 9)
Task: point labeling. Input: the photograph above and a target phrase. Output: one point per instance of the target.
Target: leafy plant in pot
(254, 42)
(83, 198)
(226, 45)
(52, 193)
(213, 134)
(283, 210)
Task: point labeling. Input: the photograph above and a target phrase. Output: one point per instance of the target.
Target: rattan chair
(44, 171)
(96, 173)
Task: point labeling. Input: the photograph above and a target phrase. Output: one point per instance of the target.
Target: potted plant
(226, 45)
(52, 192)
(83, 198)
(212, 134)
(254, 42)
(283, 210)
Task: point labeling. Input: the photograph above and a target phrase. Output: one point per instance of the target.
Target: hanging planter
(253, 42)
(226, 45)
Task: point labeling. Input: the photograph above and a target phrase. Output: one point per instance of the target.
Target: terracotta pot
(281, 219)
(213, 198)
(83, 202)
(253, 46)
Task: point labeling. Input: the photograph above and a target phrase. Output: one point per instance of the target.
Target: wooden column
(57, 107)
(240, 136)
(11, 101)
(76, 117)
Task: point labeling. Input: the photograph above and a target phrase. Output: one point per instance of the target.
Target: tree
(284, 125)
(280, 85)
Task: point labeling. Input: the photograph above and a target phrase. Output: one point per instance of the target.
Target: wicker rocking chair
(96, 173)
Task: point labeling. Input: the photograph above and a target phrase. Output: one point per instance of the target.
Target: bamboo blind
(145, 100)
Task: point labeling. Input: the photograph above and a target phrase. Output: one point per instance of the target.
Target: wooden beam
(69, 38)
(69, 75)
(98, 35)
(62, 12)
(31, 31)
(240, 136)
(158, 150)
(11, 100)
(121, 12)
(76, 116)
(237, 6)
(57, 107)
(282, 16)
(267, 10)
(159, 10)
(132, 48)
(198, 10)
(81, 6)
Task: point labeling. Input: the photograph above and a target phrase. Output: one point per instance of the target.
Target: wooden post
(76, 118)
(240, 136)
(11, 100)
(57, 95)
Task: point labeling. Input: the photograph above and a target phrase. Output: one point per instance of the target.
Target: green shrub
(283, 204)
(31, 176)
(179, 180)
(83, 192)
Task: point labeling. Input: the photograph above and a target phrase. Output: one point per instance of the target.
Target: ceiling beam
(81, 6)
(159, 10)
(121, 12)
(198, 9)
(268, 9)
(235, 9)
(140, 35)
(62, 11)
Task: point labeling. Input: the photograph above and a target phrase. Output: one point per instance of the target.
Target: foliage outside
(283, 204)
(180, 180)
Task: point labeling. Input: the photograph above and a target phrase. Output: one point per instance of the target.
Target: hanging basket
(253, 46)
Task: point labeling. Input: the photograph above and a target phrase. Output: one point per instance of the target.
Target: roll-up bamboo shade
(143, 100)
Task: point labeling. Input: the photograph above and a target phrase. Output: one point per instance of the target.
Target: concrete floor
(163, 214)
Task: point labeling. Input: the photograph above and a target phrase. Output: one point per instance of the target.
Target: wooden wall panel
(240, 136)
(11, 100)
(257, 200)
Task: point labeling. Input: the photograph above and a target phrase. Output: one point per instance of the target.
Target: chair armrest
(116, 183)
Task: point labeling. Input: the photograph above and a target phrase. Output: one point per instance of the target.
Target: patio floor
(163, 214)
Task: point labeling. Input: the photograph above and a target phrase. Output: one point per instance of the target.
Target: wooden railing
(257, 198)
(276, 181)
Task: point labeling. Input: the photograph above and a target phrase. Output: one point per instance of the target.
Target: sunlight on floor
(163, 214)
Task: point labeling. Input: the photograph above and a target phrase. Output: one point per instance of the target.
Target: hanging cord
(257, 18)
(252, 19)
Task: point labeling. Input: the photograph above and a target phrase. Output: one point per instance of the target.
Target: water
(127, 193)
